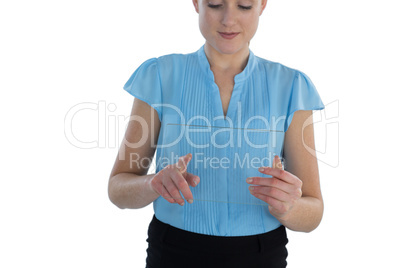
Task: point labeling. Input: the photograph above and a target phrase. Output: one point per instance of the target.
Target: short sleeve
(145, 85)
(304, 96)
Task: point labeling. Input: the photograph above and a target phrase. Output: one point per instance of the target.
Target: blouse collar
(205, 66)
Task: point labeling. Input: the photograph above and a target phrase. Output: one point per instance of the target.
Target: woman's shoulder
(281, 74)
(276, 68)
(166, 60)
(175, 57)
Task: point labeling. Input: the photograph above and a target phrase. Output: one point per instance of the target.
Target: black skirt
(170, 247)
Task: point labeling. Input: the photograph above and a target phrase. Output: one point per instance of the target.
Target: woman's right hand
(173, 179)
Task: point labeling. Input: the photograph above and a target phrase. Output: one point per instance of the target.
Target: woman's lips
(228, 35)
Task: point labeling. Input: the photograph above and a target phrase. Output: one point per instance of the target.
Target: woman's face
(229, 25)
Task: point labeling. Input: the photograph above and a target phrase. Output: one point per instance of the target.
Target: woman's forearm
(305, 216)
(127, 190)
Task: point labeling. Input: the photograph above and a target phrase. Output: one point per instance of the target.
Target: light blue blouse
(226, 150)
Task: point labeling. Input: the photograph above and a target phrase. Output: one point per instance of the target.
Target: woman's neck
(235, 62)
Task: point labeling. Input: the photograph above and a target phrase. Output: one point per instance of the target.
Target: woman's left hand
(281, 192)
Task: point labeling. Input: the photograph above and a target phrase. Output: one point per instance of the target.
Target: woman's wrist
(305, 216)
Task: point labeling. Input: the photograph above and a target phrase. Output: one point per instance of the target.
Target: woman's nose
(229, 17)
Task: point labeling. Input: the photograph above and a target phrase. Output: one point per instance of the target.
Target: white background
(55, 210)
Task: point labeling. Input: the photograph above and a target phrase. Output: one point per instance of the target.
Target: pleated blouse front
(226, 150)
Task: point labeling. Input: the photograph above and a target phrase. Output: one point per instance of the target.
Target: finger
(182, 185)
(271, 182)
(181, 165)
(277, 163)
(165, 194)
(270, 192)
(272, 202)
(192, 179)
(174, 192)
(158, 187)
(281, 174)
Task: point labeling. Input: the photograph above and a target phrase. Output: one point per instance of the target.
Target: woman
(238, 113)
